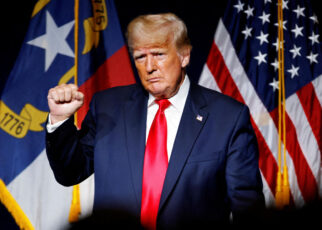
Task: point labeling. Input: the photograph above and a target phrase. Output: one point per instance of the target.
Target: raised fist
(63, 101)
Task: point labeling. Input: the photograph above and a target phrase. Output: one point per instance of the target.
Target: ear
(185, 57)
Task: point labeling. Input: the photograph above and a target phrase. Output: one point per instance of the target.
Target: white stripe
(317, 84)
(306, 139)
(207, 80)
(87, 191)
(43, 200)
(269, 197)
(258, 111)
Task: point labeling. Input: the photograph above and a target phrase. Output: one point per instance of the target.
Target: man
(192, 161)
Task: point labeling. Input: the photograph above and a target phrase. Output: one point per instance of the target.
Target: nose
(150, 64)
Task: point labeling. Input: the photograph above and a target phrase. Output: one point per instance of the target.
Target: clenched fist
(63, 101)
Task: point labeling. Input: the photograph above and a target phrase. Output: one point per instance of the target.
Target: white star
(239, 6)
(295, 51)
(314, 38)
(293, 71)
(262, 38)
(299, 11)
(284, 22)
(314, 18)
(284, 4)
(247, 32)
(266, 1)
(275, 64)
(274, 84)
(260, 58)
(312, 57)
(54, 41)
(264, 18)
(297, 31)
(249, 11)
(276, 44)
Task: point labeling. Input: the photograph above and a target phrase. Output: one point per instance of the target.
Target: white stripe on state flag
(257, 109)
(40, 196)
(87, 190)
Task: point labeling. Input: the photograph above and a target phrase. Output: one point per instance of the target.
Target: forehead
(152, 48)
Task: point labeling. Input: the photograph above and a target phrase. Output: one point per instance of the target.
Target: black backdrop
(200, 16)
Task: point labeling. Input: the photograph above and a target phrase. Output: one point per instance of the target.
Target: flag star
(284, 27)
(297, 31)
(262, 37)
(295, 51)
(274, 84)
(275, 64)
(239, 6)
(284, 3)
(264, 18)
(276, 44)
(260, 58)
(266, 1)
(54, 41)
(312, 57)
(314, 38)
(299, 11)
(247, 32)
(293, 71)
(249, 11)
(314, 18)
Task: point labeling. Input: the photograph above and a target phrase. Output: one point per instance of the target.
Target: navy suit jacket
(213, 169)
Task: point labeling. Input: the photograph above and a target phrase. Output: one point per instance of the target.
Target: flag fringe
(14, 209)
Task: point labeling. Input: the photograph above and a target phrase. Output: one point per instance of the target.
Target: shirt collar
(179, 99)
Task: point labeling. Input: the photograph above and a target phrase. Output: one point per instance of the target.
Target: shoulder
(217, 100)
(118, 94)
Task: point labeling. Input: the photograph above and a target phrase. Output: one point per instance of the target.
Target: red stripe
(305, 177)
(220, 72)
(115, 71)
(313, 111)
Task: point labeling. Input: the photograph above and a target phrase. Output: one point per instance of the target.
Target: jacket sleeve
(244, 184)
(70, 151)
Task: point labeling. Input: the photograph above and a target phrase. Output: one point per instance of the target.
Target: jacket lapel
(192, 121)
(135, 113)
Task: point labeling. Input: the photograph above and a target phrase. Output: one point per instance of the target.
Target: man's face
(161, 68)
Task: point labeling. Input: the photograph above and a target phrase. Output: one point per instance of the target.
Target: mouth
(153, 79)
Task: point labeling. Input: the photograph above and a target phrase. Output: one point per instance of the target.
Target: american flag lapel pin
(199, 117)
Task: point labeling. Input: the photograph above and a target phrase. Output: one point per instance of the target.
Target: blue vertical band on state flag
(47, 54)
(253, 30)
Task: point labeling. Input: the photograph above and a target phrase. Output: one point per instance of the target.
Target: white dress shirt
(173, 114)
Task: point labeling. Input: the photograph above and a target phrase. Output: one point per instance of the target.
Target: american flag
(243, 63)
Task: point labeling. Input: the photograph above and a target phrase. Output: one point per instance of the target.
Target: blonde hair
(157, 29)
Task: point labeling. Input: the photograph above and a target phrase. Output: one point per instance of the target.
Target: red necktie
(155, 167)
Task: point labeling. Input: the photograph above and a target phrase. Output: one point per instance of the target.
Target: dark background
(200, 16)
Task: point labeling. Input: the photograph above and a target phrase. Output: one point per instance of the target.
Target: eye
(139, 57)
(159, 54)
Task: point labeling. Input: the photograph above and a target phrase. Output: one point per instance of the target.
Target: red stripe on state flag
(220, 72)
(115, 71)
(305, 177)
(312, 110)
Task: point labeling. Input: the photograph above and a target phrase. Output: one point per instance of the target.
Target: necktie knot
(163, 104)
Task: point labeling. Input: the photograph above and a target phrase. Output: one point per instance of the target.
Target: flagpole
(282, 195)
(75, 208)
